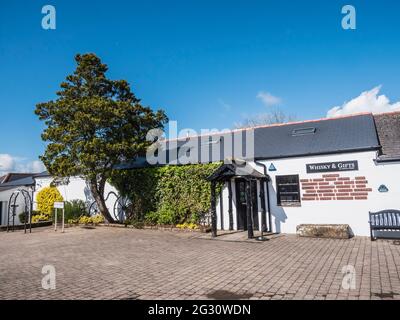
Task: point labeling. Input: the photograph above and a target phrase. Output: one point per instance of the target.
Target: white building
(327, 171)
(75, 188)
(332, 171)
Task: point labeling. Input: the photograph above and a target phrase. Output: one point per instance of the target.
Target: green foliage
(93, 125)
(75, 209)
(169, 194)
(22, 215)
(45, 200)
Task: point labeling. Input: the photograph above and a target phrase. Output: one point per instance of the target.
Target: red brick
(307, 188)
(327, 187)
(361, 178)
(361, 198)
(343, 179)
(349, 182)
(325, 198)
(341, 194)
(329, 194)
(338, 182)
(330, 179)
(360, 194)
(325, 190)
(345, 186)
(363, 190)
(344, 190)
(310, 193)
(330, 176)
(304, 180)
(361, 181)
(309, 184)
(323, 183)
(345, 198)
(359, 186)
(318, 180)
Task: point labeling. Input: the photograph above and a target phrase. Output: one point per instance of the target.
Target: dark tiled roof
(14, 177)
(14, 180)
(335, 135)
(324, 136)
(388, 129)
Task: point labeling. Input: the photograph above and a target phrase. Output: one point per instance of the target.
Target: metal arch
(12, 205)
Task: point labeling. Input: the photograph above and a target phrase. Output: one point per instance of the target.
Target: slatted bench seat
(385, 220)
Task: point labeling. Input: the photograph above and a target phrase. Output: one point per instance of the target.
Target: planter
(333, 231)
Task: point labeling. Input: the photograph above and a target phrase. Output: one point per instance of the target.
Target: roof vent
(303, 131)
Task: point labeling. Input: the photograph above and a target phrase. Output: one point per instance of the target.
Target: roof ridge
(386, 113)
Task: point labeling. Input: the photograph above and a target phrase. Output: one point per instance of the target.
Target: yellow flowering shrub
(190, 226)
(46, 198)
(40, 217)
(87, 220)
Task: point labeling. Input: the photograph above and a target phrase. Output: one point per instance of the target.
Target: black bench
(385, 220)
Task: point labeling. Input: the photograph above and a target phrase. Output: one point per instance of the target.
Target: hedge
(169, 194)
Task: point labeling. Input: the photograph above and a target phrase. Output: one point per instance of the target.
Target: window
(288, 190)
(303, 131)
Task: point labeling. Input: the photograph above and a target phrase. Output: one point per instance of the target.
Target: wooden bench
(385, 220)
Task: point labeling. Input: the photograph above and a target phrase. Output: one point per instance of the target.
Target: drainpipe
(267, 191)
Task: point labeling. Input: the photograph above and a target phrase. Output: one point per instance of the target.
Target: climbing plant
(169, 194)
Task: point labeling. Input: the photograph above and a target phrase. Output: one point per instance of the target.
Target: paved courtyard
(114, 263)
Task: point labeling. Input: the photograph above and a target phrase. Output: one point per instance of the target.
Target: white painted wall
(352, 212)
(76, 189)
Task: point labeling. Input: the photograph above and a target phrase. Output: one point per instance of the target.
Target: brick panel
(335, 187)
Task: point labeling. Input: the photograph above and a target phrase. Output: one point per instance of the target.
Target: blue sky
(209, 64)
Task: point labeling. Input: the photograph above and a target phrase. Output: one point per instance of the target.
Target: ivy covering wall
(169, 194)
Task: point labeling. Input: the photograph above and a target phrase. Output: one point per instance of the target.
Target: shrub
(151, 218)
(40, 217)
(75, 209)
(46, 198)
(190, 226)
(166, 215)
(87, 220)
(22, 216)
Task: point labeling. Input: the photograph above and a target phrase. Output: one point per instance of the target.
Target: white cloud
(367, 101)
(9, 163)
(268, 99)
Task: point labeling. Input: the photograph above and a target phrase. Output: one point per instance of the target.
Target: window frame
(279, 182)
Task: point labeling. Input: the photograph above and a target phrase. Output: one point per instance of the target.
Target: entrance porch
(247, 205)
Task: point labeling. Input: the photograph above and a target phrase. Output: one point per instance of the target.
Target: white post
(63, 214)
(55, 218)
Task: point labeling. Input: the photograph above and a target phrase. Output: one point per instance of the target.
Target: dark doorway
(241, 204)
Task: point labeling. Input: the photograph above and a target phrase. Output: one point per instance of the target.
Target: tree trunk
(99, 198)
